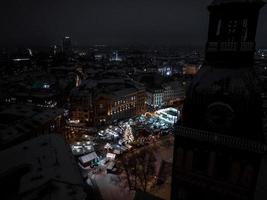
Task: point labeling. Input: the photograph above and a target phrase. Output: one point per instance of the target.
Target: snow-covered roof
(110, 87)
(24, 119)
(124, 92)
(50, 164)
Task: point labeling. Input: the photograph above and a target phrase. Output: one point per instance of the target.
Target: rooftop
(17, 121)
(49, 163)
(112, 87)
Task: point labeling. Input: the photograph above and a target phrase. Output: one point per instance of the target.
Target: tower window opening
(219, 27)
(244, 30)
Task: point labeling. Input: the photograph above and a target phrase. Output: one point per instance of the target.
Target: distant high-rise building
(55, 50)
(219, 149)
(67, 47)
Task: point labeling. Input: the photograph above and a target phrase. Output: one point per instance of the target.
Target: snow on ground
(112, 188)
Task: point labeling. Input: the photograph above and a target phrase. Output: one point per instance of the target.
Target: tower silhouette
(219, 148)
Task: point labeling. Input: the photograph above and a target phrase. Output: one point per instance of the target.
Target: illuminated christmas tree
(128, 135)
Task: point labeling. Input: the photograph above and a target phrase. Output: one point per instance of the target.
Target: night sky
(117, 22)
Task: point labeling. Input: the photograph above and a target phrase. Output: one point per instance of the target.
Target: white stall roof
(88, 157)
(111, 165)
(108, 146)
(116, 151)
(128, 146)
(111, 155)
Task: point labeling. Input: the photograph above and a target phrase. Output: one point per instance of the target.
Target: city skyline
(113, 22)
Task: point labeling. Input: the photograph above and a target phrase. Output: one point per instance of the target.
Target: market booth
(88, 159)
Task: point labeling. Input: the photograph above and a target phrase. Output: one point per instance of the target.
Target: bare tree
(139, 168)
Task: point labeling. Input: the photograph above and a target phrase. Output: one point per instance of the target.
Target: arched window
(248, 175)
(201, 160)
(189, 160)
(181, 194)
(222, 165)
(212, 161)
(235, 171)
(180, 157)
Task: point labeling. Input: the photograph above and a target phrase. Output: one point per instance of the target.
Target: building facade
(66, 45)
(173, 91)
(107, 101)
(155, 97)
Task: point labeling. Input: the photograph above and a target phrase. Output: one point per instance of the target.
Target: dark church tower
(223, 97)
(219, 151)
